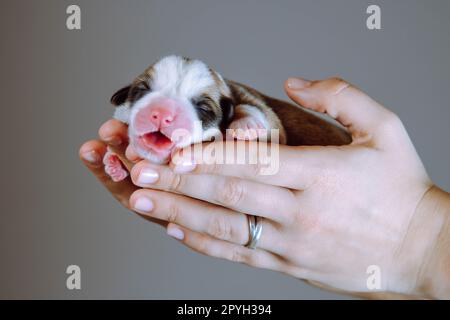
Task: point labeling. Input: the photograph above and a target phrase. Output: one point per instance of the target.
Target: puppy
(180, 101)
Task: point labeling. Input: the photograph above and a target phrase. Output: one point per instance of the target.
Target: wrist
(433, 280)
(425, 253)
(422, 264)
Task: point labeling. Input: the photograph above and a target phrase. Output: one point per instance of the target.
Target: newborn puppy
(180, 101)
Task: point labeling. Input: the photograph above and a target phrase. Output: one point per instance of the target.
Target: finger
(199, 216)
(212, 247)
(259, 162)
(350, 106)
(131, 154)
(114, 134)
(91, 153)
(241, 195)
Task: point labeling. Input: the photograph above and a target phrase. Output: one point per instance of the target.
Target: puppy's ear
(120, 96)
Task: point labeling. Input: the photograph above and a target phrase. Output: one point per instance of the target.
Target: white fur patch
(176, 78)
(122, 113)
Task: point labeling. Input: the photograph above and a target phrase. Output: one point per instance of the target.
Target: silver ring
(255, 228)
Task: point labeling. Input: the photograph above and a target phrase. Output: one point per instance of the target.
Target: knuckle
(232, 192)
(174, 183)
(252, 258)
(337, 85)
(220, 228)
(173, 212)
(203, 247)
(392, 120)
(238, 255)
(337, 81)
(390, 124)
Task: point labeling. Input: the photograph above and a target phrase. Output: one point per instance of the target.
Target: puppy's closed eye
(203, 104)
(205, 107)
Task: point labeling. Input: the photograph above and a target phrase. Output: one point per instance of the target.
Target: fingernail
(175, 232)
(184, 166)
(92, 157)
(143, 204)
(113, 140)
(148, 176)
(297, 83)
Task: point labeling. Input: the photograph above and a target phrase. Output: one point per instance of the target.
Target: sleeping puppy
(180, 101)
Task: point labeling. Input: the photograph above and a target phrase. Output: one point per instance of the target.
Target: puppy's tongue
(157, 141)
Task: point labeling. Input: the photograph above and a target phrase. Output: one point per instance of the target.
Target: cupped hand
(331, 213)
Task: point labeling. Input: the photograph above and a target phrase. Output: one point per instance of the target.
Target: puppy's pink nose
(160, 114)
(161, 117)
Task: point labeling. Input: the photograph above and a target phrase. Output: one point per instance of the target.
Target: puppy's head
(173, 103)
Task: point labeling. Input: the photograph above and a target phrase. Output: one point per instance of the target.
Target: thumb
(355, 110)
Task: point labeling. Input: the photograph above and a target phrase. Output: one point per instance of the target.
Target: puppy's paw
(247, 128)
(114, 167)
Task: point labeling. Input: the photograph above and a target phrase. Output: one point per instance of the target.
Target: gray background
(55, 90)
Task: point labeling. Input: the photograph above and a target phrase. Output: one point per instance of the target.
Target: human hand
(330, 212)
(113, 134)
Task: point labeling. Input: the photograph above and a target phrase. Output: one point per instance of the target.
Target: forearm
(433, 212)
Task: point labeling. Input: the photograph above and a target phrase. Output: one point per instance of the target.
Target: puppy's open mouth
(157, 141)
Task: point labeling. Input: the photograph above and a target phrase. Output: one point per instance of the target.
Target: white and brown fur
(219, 104)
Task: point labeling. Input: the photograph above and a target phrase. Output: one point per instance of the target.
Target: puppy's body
(178, 94)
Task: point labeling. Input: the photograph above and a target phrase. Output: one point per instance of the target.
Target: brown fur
(301, 127)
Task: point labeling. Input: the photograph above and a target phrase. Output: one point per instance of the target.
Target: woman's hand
(113, 134)
(330, 213)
